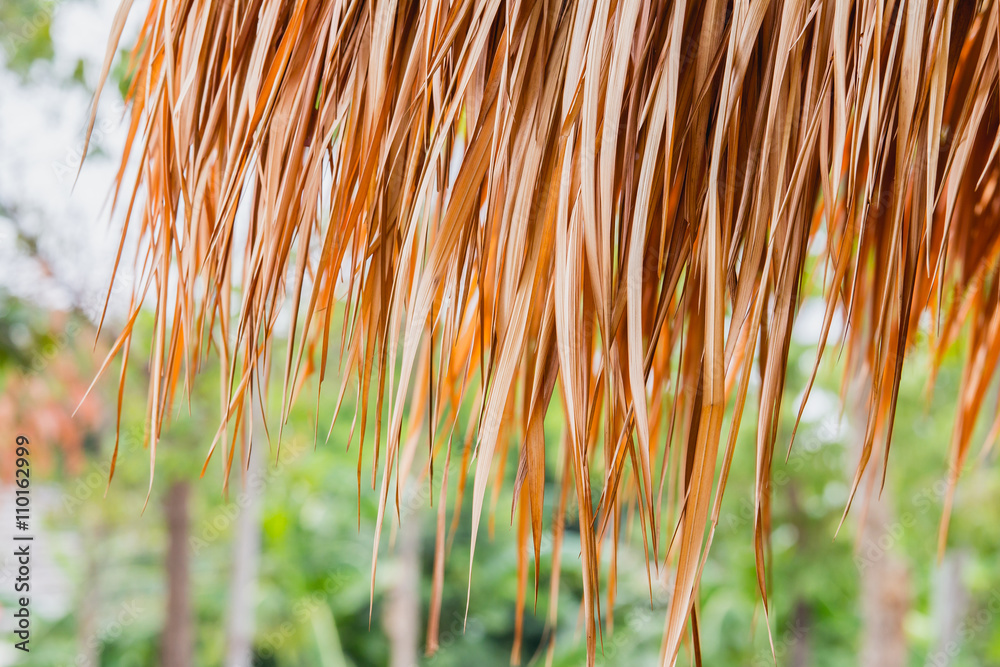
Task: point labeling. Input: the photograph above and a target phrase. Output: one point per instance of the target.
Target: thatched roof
(603, 206)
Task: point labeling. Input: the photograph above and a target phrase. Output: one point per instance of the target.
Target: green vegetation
(313, 601)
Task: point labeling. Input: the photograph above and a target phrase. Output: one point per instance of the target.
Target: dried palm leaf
(615, 199)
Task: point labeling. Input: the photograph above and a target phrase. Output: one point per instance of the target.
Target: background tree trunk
(949, 604)
(885, 591)
(801, 645)
(402, 615)
(90, 601)
(885, 579)
(246, 559)
(801, 650)
(176, 650)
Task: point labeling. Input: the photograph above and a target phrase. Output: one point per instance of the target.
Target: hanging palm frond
(604, 208)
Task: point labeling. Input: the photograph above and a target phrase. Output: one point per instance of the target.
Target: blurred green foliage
(313, 605)
(24, 334)
(25, 32)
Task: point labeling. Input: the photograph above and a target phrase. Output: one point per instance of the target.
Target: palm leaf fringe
(604, 207)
